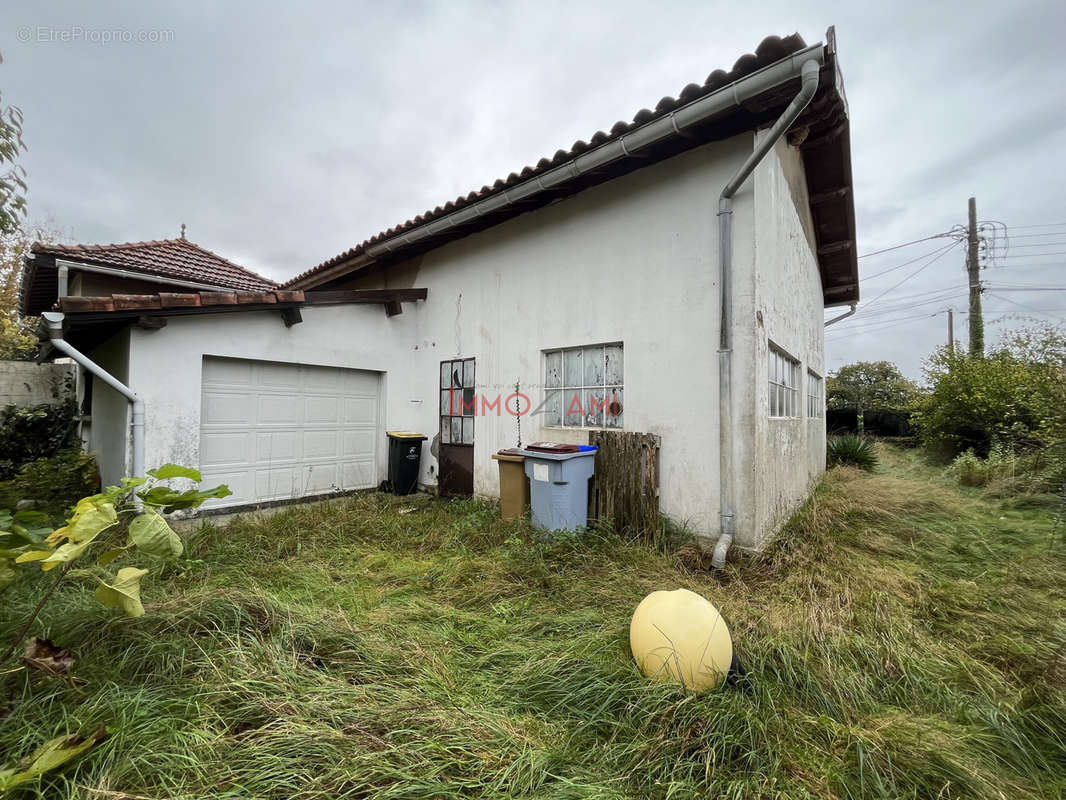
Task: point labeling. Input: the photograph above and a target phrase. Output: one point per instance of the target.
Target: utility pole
(951, 331)
(977, 323)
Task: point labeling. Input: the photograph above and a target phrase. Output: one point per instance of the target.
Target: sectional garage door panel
(274, 431)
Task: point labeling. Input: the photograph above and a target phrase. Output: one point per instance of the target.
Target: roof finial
(183, 231)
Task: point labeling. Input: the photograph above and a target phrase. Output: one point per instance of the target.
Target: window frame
(779, 392)
(447, 409)
(817, 400)
(611, 393)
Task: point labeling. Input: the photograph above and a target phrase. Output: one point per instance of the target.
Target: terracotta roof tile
(179, 259)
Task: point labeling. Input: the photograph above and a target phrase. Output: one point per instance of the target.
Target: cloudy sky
(282, 135)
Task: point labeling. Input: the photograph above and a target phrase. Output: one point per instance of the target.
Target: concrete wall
(109, 433)
(779, 301)
(631, 261)
(24, 383)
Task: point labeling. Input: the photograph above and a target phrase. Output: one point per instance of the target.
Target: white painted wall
(633, 260)
(781, 301)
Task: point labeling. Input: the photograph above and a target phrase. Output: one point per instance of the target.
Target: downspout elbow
(52, 322)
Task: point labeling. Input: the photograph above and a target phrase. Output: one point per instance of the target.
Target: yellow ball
(679, 636)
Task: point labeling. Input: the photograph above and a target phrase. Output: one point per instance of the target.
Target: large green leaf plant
(116, 523)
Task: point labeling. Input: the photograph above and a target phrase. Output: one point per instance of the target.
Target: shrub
(30, 433)
(54, 484)
(856, 451)
(1005, 473)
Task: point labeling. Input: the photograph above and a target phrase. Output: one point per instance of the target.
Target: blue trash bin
(559, 488)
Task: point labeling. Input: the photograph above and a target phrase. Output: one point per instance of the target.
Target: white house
(594, 281)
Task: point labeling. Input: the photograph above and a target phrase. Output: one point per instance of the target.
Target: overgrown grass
(903, 640)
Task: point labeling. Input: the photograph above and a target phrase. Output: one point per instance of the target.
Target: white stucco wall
(779, 300)
(633, 260)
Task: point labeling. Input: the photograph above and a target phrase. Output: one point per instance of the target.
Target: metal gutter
(145, 277)
(52, 322)
(809, 73)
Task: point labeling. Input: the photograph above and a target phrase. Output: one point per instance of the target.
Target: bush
(1014, 397)
(1005, 473)
(30, 433)
(852, 450)
(54, 484)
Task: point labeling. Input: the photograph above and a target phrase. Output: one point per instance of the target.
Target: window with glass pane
(783, 383)
(583, 387)
(457, 401)
(815, 395)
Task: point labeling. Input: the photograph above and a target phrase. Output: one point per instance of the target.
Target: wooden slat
(365, 296)
(285, 296)
(625, 489)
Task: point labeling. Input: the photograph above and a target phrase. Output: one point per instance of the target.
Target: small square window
(583, 387)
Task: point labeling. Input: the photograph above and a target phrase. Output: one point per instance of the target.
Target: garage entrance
(275, 431)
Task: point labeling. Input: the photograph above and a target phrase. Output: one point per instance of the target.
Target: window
(583, 387)
(457, 401)
(784, 384)
(815, 395)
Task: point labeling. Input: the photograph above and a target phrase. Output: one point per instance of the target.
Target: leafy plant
(1015, 396)
(51, 754)
(53, 484)
(114, 523)
(29, 433)
(851, 450)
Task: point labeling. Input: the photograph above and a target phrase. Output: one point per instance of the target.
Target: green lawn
(905, 639)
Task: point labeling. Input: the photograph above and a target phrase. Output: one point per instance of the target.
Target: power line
(905, 244)
(1038, 244)
(1045, 225)
(1036, 255)
(908, 263)
(910, 276)
(881, 326)
(1022, 305)
(1029, 288)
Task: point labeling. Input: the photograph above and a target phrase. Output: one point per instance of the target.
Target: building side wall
(779, 459)
(109, 434)
(631, 261)
(26, 383)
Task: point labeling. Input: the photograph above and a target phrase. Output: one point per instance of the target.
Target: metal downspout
(53, 321)
(845, 315)
(809, 85)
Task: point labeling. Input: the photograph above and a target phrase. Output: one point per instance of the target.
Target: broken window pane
(553, 409)
(612, 416)
(573, 411)
(553, 370)
(445, 430)
(572, 372)
(613, 358)
(468, 402)
(593, 357)
(593, 408)
(468, 374)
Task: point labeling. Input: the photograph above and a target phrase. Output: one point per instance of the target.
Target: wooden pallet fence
(625, 489)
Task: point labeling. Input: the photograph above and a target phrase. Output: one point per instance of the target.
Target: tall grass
(902, 640)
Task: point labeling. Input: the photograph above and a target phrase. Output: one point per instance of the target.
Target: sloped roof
(824, 123)
(179, 259)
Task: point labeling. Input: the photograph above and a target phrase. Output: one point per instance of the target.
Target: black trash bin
(405, 455)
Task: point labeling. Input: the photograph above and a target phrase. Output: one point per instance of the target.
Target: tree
(1014, 397)
(12, 176)
(17, 339)
(870, 386)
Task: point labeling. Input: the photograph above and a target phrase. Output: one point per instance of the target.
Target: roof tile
(179, 259)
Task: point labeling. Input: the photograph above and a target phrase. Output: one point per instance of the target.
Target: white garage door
(274, 431)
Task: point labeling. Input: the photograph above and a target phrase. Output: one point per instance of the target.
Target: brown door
(457, 405)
